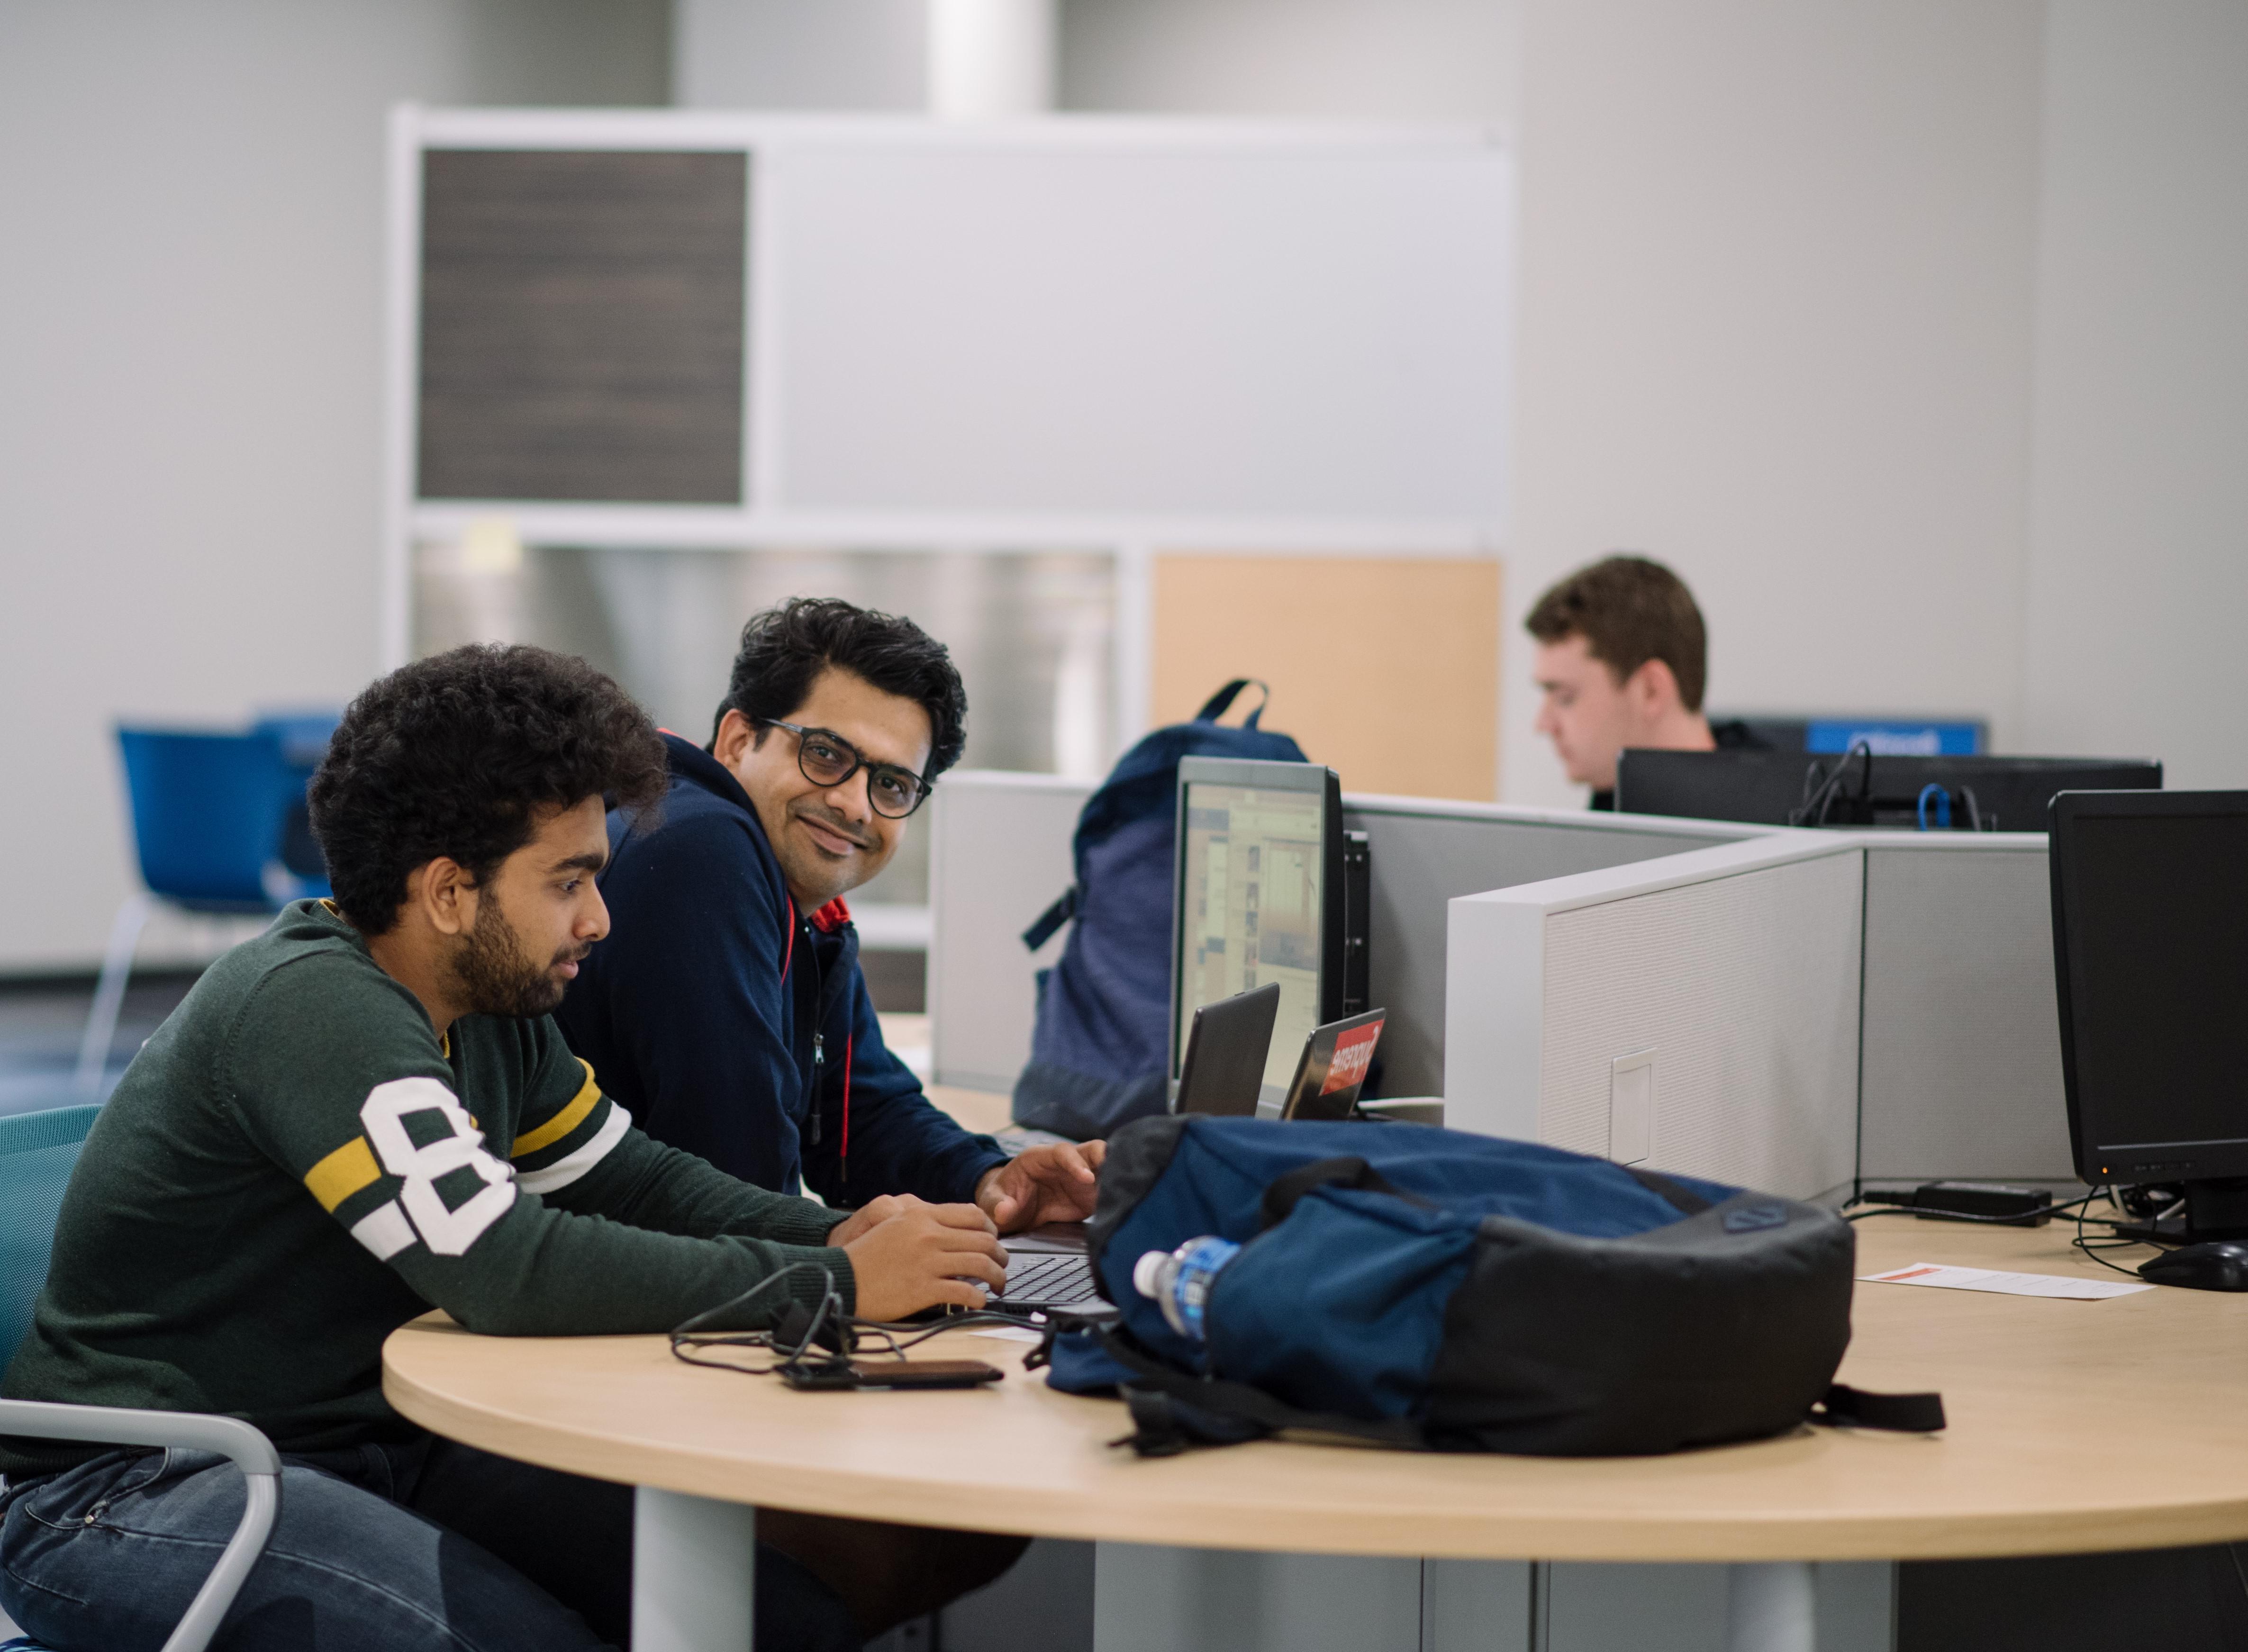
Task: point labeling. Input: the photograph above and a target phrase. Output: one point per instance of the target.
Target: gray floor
(41, 1025)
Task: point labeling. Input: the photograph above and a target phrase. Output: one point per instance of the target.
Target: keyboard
(1036, 1281)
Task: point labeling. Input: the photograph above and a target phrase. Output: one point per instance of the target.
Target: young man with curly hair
(366, 1112)
(728, 1010)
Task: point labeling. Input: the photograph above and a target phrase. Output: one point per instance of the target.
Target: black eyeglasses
(828, 759)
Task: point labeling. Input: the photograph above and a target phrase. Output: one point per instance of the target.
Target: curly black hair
(454, 755)
(784, 650)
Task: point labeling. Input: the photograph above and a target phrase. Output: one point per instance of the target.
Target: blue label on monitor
(1898, 739)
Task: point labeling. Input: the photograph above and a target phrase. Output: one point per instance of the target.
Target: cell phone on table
(892, 1373)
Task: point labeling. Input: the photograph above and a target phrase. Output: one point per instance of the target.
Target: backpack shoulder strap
(1844, 1407)
(1042, 928)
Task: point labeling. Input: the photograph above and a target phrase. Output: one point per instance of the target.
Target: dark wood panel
(582, 321)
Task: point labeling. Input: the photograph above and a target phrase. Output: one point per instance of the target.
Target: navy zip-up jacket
(735, 1027)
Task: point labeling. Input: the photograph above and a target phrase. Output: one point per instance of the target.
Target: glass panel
(1031, 632)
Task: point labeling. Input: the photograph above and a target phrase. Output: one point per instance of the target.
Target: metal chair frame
(184, 1431)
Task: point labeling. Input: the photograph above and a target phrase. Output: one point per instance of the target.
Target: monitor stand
(2215, 1210)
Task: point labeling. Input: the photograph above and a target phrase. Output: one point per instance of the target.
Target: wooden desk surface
(982, 1111)
(2075, 1426)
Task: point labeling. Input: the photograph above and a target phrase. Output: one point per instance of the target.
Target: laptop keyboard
(1049, 1281)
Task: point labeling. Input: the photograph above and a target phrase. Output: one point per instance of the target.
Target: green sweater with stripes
(296, 1165)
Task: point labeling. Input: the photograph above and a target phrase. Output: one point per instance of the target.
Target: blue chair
(36, 1152)
(218, 822)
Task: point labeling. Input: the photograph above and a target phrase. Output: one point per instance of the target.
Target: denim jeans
(383, 1548)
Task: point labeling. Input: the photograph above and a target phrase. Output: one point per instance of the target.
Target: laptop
(1332, 1068)
(1221, 1075)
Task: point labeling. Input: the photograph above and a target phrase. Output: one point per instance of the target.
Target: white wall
(1388, 59)
(1915, 334)
(1775, 331)
(2139, 572)
(189, 409)
(800, 54)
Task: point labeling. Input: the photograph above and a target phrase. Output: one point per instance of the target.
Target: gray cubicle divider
(1962, 1070)
(1427, 850)
(1698, 1013)
(1952, 1045)
(999, 853)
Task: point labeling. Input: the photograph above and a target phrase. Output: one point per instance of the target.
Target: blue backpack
(1101, 1052)
(1435, 1290)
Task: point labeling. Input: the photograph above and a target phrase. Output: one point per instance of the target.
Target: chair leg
(109, 994)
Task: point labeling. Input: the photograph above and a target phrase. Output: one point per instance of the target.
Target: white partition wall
(1962, 1072)
(1697, 1013)
(999, 854)
(1067, 333)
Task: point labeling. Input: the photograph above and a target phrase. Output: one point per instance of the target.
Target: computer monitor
(1860, 789)
(2150, 951)
(1885, 736)
(1260, 897)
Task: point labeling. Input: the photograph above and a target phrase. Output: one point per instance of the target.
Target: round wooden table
(2074, 1426)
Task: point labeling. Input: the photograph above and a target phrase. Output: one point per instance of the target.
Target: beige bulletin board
(1384, 668)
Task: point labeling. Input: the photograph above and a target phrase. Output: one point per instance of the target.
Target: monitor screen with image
(1259, 898)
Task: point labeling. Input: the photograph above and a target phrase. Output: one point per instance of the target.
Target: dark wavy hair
(784, 650)
(455, 755)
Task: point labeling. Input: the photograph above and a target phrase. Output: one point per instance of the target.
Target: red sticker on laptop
(1353, 1049)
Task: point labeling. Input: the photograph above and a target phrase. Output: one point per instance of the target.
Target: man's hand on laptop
(1051, 1183)
(907, 1255)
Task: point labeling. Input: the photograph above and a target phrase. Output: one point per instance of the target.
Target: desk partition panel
(1426, 852)
(1697, 1013)
(1819, 1006)
(1961, 1073)
(1000, 852)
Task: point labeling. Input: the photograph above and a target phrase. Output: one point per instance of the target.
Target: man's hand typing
(907, 1255)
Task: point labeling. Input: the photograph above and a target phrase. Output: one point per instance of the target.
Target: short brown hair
(1630, 610)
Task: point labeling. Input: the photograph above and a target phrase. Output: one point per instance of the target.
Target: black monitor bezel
(1764, 787)
(2180, 1161)
(1276, 776)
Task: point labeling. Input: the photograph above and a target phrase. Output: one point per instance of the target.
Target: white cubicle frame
(1705, 1005)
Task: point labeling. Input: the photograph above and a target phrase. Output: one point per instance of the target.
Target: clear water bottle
(1178, 1281)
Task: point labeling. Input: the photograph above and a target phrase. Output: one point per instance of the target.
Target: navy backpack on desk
(1435, 1290)
(1101, 1053)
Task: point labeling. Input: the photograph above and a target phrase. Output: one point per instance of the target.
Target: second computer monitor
(1259, 899)
(2151, 943)
(1772, 788)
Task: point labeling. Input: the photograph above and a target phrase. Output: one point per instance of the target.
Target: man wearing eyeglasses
(727, 1010)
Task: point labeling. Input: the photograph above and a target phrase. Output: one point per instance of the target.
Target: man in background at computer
(1622, 657)
(727, 1010)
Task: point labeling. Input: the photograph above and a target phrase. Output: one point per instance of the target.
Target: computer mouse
(2214, 1264)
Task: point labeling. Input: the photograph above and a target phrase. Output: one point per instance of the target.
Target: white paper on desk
(1007, 1332)
(1949, 1278)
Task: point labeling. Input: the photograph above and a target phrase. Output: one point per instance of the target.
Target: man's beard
(494, 975)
